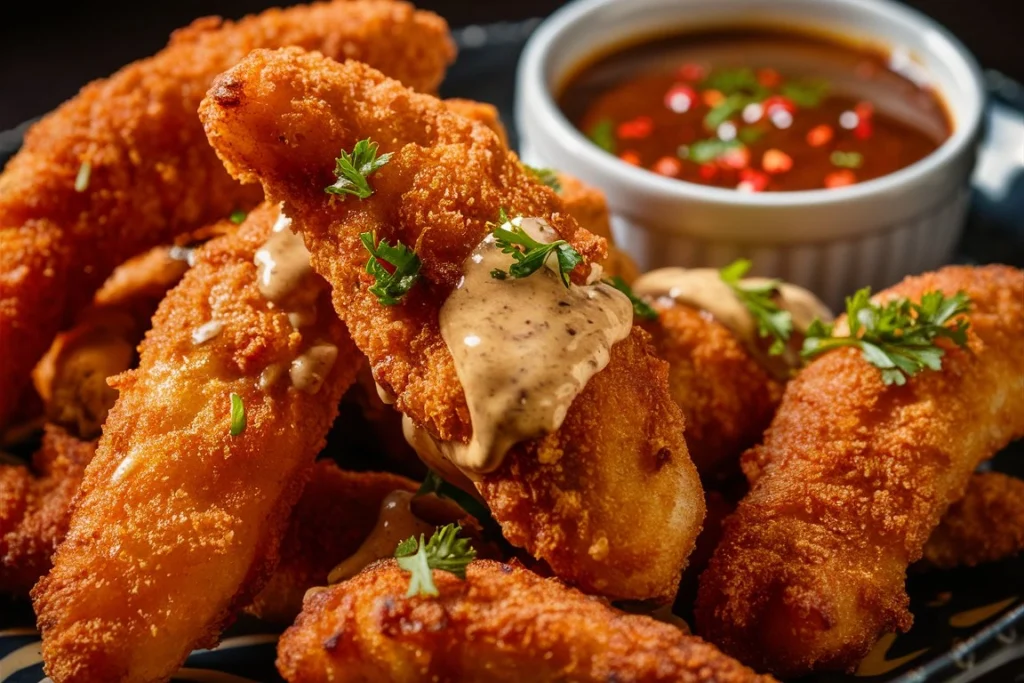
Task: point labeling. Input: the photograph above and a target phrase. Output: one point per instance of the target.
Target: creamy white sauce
(704, 290)
(206, 332)
(524, 348)
(282, 262)
(310, 369)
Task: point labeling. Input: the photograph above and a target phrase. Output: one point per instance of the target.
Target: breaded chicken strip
(34, 507)
(178, 522)
(568, 498)
(986, 525)
(727, 398)
(852, 478)
(501, 624)
(337, 511)
(124, 165)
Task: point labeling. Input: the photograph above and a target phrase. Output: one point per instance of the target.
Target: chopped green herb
(897, 337)
(444, 551)
(391, 286)
(82, 179)
(772, 321)
(354, 169)
(602, 134)
(641, 308)
(237, 216)
(731, 81)
(499, 274)
(847, 159)
(237, 415)
(547, 176)
(725, 110)
(750, 134)
(712, 149)
(433, 483)
(529, 254)
(807, 93)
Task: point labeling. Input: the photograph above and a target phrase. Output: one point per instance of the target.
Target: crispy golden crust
(850, 481)
(588, 206)
(34, 508)
(178, 523)
(278, 117)
(481, 112)
(153, 174)
(725, 396)
(986, 525)
(502, 624)
(335, 514)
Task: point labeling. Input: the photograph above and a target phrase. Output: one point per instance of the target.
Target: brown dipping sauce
(756, 110)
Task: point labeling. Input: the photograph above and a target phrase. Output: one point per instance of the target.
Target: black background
(49, 50)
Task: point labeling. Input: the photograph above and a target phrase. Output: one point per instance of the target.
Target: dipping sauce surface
(758, 110)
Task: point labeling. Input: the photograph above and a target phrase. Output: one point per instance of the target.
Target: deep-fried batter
(986, 525)
(850, 481)
(502, 624)
(337, 511)
(568, 498)
(178, 522)
(727, 398)
(72, 376)
(34, 507)
(149, 173)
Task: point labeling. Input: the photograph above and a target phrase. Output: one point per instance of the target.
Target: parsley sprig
(641, 308)
(772, 322)
(354, 169)
(545, 176)
(444, 551)
(529, 254)
(391, 286)
(898, 337)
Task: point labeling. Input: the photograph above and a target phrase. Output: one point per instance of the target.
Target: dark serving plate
(966, 621)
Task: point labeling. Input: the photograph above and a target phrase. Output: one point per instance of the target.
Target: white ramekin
(830, 241)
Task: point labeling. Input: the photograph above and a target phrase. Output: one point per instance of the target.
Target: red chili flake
(776, 161)
(778, 102)
(769, 78)
(841, 178)
(636, 129)
(669, 166)
(692, 72)
(735, 157)
(752, 180)
(680, 98)
(708, 171)
(630, 157)
(865, 110)
(820, 136)
(864, 130)
(712, 98)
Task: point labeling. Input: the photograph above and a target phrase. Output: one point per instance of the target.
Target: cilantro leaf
(444, 551)
(641, 308)
(237, 415)
(237, 216)
(390, 286)
(354, 169)
(529, 254)
(897, 337)
(602, 134)
(546, 176)
(806, 93)
(772, 322)
(704, 151)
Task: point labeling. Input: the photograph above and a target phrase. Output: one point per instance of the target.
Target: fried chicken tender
(336, 513)
(568, 498)
(34, 507)
(72, 376)
(986, 525)
(124, 166)
(850, 481)
(501, 624)
(727, 398)
(178, 523)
